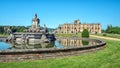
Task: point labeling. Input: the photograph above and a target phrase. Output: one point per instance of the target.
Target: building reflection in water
(75, 42)
(59, 43)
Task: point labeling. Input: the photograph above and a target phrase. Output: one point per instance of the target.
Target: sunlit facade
(77, 27)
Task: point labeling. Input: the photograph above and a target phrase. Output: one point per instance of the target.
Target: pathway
(108, 38)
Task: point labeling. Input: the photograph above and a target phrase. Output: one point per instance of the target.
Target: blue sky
(55, 12)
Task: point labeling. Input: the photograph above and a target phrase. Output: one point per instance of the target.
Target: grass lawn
(110, 35)
(106, 58)
(4, 35)
(68, 35)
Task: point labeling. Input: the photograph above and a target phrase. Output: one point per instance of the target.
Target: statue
(45, 28)
(35, 22)
(8, 30)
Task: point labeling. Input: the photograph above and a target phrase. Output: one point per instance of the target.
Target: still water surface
(59, 43)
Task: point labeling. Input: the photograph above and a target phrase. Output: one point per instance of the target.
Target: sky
(55, 12)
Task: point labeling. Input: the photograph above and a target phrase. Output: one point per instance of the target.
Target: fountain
(60, 48)
(33, 35)
(35, 43)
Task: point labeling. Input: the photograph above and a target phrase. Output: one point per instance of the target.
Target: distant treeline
(112, 29)
(3, 29)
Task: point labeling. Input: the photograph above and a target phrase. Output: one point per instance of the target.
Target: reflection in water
(31, 46)
(4, 46)
(75, 42)
(85, 42)
(59, 43)
(69, 42)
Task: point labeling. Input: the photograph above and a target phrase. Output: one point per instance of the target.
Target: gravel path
(108, 38)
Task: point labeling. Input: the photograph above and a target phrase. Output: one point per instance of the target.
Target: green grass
(110, 35)
(4, 35)
(68, 35)
(109, 57)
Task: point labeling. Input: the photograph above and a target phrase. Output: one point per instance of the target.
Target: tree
(108, 28)
(85, 33)
(1, 29)
(111, 29)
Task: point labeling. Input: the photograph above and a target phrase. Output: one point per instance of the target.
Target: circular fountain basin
(59, 48)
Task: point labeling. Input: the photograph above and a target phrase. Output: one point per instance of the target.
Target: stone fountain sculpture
(33, 35)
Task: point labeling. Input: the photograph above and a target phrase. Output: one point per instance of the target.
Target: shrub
(104, 34)
(85, 33)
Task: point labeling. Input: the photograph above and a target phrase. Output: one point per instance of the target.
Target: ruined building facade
(77, 27)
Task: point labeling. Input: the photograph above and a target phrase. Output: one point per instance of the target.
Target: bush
(104, 34)
(85, 33)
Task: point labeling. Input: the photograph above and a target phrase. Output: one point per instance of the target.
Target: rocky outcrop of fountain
(33, 35)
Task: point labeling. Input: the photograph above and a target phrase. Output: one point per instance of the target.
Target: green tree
(85, 33)
(111, 29)
(1, 29)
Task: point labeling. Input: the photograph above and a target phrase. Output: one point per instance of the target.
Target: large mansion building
(77, 27)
